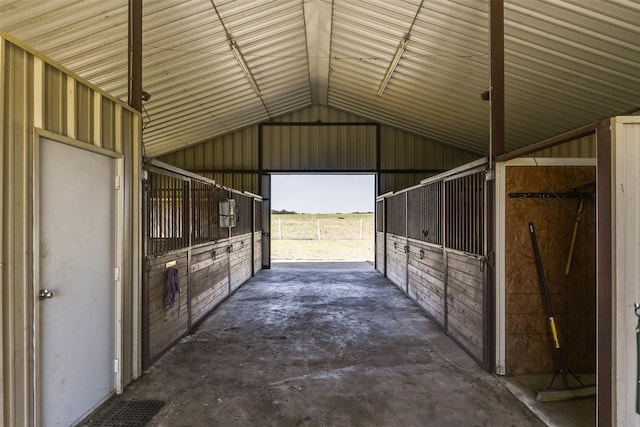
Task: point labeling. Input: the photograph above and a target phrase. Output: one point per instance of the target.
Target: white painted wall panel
(626, 246)
(38, 94)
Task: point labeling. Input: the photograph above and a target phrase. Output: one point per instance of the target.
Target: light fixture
(244, 66)
(392, 66)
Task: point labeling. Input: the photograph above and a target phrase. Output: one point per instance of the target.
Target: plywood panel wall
(529, 347)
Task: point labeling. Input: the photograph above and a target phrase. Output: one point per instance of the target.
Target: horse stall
(434, 242)
(201, 243)
(431, 243)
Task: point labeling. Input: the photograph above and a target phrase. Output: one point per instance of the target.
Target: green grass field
(322, 237)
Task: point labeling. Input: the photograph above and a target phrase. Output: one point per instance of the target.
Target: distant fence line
(300, 227)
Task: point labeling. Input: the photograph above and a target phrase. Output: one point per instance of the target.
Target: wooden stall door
(397, 244)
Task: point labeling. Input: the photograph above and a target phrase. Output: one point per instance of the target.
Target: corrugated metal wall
(319, 148)
(37, 94)
(231, 160)
(402, 150)
(404, 158)
(17, 127)
(584, 147)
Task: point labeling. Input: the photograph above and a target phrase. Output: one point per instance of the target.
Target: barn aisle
(323, 344)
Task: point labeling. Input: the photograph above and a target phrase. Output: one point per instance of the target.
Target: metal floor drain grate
(128, 413)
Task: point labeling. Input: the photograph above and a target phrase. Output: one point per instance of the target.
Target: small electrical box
(228, 213)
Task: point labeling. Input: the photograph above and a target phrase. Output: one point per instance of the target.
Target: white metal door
(76, 355)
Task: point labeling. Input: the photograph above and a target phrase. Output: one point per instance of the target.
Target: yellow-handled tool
(567, 269)
(566, 392)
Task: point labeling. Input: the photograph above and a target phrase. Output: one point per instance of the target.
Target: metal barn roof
(567, 62)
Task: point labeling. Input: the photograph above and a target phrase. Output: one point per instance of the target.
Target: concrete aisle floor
(567, 413)
(323, 344)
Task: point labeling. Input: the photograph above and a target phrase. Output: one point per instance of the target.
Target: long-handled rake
(566, 392)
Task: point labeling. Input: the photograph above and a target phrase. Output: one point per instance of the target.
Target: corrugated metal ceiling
(567, 62)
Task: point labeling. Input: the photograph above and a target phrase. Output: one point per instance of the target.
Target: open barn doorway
(323, 217)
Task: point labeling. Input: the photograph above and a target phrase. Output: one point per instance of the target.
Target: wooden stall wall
(163, 324)
(183, 231)
(435, 252)
(529, 348)
(465, 296)
(208, 279)
(257, 251)
(464, 238)
(426, 285)
(240, 261)
(244, 215)
(396, 240)
(397, 260)
(426, 269)
(240, 244)
(380, 253)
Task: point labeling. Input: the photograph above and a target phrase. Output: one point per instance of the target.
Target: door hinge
(117, 273)
(116, 365)
(117, 183)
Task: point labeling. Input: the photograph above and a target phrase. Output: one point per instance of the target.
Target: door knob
(46, 294)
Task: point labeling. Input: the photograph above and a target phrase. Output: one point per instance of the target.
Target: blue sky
(323, 193)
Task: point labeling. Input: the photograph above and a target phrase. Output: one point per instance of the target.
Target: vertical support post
(406, 241)
(138, 243)
(2, 151)
(71, 107)
(375, 218)
(378, 159)
(497, 78)
(265, 191)
(445, 258)
(135, 54)
(604, 273)
(97, 119)
(253, 236)
(260, 159)
(497, 147)
(38, 92)
(384, 234)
